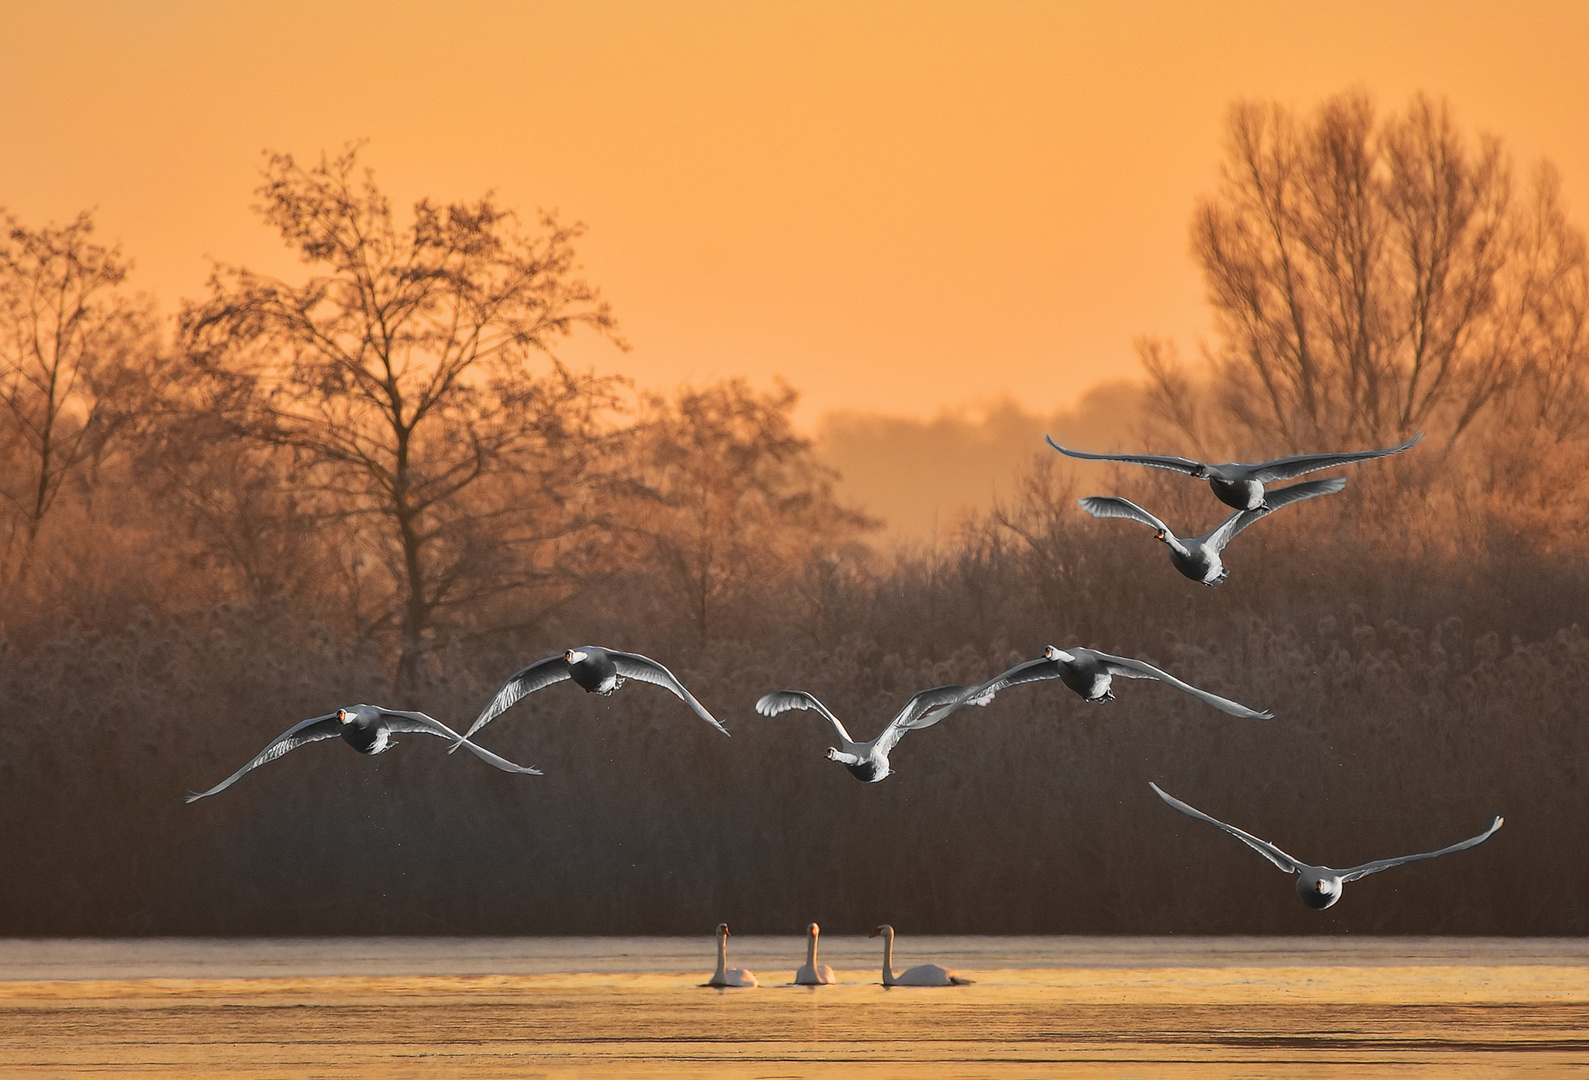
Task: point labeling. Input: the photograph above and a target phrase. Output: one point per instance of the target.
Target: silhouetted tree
(75, 356)
(412, 378)
(1369, 276)
(732, 493)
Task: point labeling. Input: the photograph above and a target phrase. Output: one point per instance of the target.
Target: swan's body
(868, 761)
(1091, 673)
(812, 973)
(366, 728)
(725, 975)
(598, 671)
(1240, 484)
(1199, 557)
(921, 974)
(1320, 886)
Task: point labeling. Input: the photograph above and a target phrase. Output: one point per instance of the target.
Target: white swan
(366, 728)
(811, 973)
(598, 671)
(1241, 484)
(868, 761)
(920, 975)
(1320, 886)
(725, 975)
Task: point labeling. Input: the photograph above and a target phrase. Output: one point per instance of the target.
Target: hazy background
(773, 414)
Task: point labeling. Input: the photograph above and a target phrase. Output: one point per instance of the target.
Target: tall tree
(412, 376)
(75, 351)
(732, 493)
(1369, 275)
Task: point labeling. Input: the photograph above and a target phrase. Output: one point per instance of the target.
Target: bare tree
(1557, 315)
(732, 494)
(412, 377)
(1369, 276)
(75, 351)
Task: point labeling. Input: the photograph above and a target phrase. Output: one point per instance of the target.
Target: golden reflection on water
(1336, 1021)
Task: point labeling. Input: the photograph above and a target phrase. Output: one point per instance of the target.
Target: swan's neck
(811, 952)
(888, 958)
(722, 958)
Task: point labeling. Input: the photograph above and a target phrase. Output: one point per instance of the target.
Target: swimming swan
(1320, 886)
(921, 974)
(811, 973)
(366, 728)
(725, 975)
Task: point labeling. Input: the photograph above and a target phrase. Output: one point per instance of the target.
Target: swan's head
(1159, 535)
(722, 929)
(344, 716)
(1050, 653)
(1320, 892)
(884, 929)
(813, 929)
(575, 656)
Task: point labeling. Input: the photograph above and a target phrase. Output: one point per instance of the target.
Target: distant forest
(377, 484)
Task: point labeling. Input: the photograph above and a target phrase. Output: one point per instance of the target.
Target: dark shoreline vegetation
(1416, 697)
(378, 485)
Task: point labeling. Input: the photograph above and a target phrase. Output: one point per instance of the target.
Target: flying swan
(598, 671)
(1091, 673)
(868, 761)
(1198, 558)
(366, 728)
(1239, 484)
(1320, 886)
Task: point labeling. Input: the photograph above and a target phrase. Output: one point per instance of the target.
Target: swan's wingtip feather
(192, 797)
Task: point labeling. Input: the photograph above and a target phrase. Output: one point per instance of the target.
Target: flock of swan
(1087, 672)
(812, 973)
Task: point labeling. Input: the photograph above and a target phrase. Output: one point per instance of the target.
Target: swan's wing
(928, 707)
(1157, 461)
(400, 721)
(1112, 506)
(645, 669)
(313, 730)
(1027, 671)
(538, 676)
(1279, 497)
(1129, 668)
(1385, 864)
(1262, 847)
(783, 700)
(1288, 468)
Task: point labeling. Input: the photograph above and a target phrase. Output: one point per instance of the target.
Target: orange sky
(898, 207)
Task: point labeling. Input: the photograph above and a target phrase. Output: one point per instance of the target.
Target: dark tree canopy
(412, 378)
(1371, 274)
(75, 356)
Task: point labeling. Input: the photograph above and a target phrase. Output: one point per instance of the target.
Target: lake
(568, 1007)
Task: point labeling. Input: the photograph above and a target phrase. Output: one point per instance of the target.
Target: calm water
(1053, 1008)
(200, 958)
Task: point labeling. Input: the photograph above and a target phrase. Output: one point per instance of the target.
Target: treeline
(379, 485)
